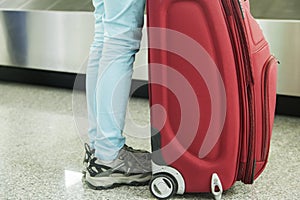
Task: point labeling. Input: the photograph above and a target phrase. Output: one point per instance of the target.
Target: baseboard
(40, 77)
(286, 105)
(59, 79)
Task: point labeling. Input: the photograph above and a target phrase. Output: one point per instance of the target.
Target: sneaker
(131, 167)
(89, 153)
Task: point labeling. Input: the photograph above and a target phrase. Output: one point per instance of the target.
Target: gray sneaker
(131, 167)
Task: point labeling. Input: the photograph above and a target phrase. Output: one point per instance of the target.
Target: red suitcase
(212, 86)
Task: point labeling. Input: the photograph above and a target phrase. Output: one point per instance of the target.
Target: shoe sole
(103, 183)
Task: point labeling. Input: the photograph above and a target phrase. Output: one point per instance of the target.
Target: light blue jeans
(118, 25)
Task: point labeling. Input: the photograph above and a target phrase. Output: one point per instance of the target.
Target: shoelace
(89, 152)
(87, 148)
(130, 149)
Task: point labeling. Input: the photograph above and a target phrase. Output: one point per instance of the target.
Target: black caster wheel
(163, 186)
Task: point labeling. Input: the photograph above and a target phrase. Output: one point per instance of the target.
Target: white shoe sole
(99, 183)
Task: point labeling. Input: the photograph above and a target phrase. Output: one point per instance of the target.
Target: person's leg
(123, 21)
(114, 162)
(92, 70)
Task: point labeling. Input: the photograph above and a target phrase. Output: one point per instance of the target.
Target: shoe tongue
(105, 162)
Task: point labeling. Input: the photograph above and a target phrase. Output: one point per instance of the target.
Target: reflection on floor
(41, 147)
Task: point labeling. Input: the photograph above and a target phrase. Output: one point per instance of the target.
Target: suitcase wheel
(163, 186)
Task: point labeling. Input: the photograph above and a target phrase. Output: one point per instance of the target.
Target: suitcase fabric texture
(212, 88)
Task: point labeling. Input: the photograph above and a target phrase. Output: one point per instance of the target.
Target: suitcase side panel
(264, 67)
(203, 22)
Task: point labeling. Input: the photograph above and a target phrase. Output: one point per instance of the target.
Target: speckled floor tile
(42, 131)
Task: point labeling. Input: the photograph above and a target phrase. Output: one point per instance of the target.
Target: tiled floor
(42, 131)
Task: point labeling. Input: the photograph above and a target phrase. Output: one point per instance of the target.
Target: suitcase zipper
(239, 19)
(228, 15)
(266, 128)
(230, 9)
(236, 28)
(250, 164)
(241, 8)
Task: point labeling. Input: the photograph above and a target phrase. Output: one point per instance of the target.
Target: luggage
(212, 87)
